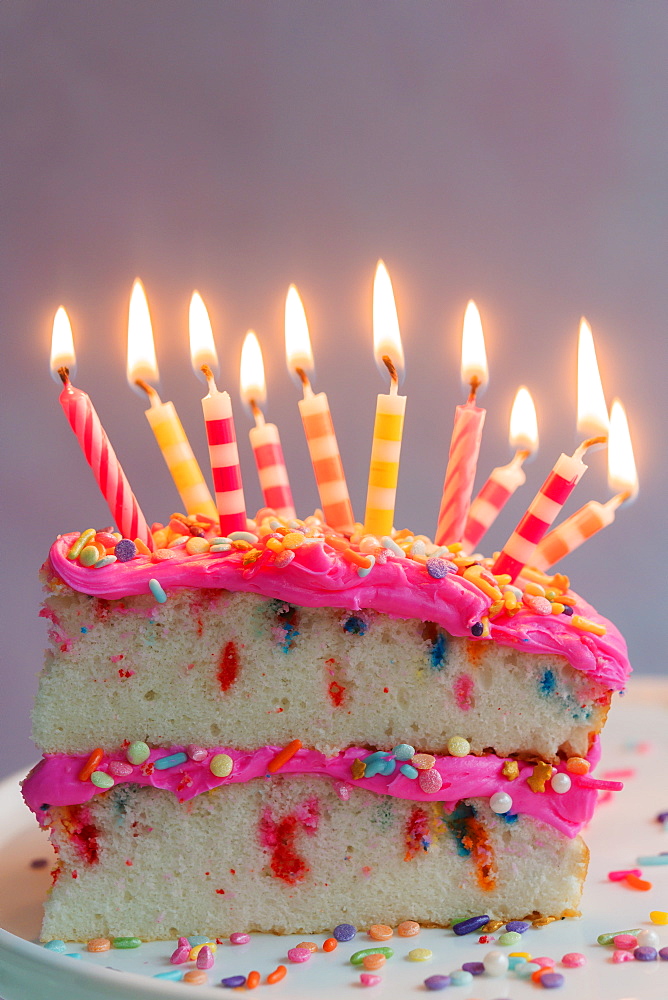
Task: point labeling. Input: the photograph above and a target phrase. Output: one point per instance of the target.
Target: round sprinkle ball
(551, 980)
(458, 746)
(477, 629)
(419, 955)
(369, 979)
(648, 938)
(437, 982)
(408, 928)
(460, 978)
(573, 960)
(496, 963)
(561, 783)
(137, 752)
(500, 802)
(221, 765)
(125, 550)
(299, 954)
(344, 932)
(645, 954)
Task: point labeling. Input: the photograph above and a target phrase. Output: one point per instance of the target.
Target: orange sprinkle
(585, 625)
(274, 545)
(276, 976)
(351, 556)
(570, 601)
(408, 928)
(578, 765)
(283, 756)
(253, 980)
(311, 945)
(196, 976)
(404, 533)
(535, 976)
(98, 944)
(372, 962)
(340, 544)
(638, 883)
(91, 764)
(380, 932)
(330, 944)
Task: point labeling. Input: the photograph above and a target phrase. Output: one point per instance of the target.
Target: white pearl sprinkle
(496, 963)
(500, 802)
(561, 783)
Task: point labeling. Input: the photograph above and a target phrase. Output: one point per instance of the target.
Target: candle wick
(621, 498)
(521, 455)
(305, 382)
(208, 374)
(589, 443)
(389, 364)
(257, 413)
(475, 384)
(152, 394)
(64, 374)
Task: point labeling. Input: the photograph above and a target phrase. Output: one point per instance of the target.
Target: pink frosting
(319, 577)
(55, 781)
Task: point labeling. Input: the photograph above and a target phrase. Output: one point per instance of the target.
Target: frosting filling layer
(55, 780)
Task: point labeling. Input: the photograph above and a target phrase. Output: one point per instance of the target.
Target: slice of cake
(288, 728)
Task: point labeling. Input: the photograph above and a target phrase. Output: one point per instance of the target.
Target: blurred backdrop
(512, 152)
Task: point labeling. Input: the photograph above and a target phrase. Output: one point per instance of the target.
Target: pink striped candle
(224, 455)
(542, 511)
(466, 436)
(99, 454)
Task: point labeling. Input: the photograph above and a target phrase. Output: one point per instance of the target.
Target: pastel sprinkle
(239, 937)
(221, 765)
(404, 751)
(174, 974)
(358, 956)
(196, 977)
(460, 978)
(619, 876)
(389, 543)
(138, 752)
(663, 954)
(611, 935)
(551, 980)
(171, 760)
(470, 925)
(622, 956)
(573, 960)
(439, 568)
(475, 968)
(409, 771)
(374, 962)
(56, 945)
(233, 982)
(648, 937)
(518, 926)
(458, 746)
(659, 917)
(496, 963)
(430, 781)
(408, 928)
(500, 803)
(98, 945)
(125, 550)
(299, 954)
(509, 938)
(369, 979)
(157, 591)
(89, 555)
(641, 884)
(653, 859)
(125, 942)
(180, 955)
(311, 945)
(104, 561)
(344, 932)
(526, 970)
(627, 942)
(437, 982)
(101, 779)
(380, 932)
(645, 954)
(205, 957)
(419, 955)
(514, 961)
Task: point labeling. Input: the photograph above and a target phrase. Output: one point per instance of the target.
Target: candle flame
(62, 344)
(386, 335)
(142, 363)
(298, 352)
(622, 475)
(474, 357)
(252, 383)
(523, 422)
(592, 411)
(202, 347)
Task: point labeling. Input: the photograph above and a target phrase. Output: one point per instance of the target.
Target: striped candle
(99, 454)
(274, 483)
(224, 455)
(326, 459)
(542, 511)
(384, 467)
(575, 530)
(502, 483)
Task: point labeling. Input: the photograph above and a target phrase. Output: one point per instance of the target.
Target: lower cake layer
(297, 854)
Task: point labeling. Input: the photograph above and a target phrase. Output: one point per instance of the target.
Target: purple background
(516, 153)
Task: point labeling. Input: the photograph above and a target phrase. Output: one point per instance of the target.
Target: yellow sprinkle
(241, 545)
(458, 746)
(534, 589)
(557, 608)
(510, 602)
(455, 547)
(485, 627)
(495, 609)
(194, 952)
(142, 548)
(194, 546)
(659, 917)
(473, 575)
(160, 538)
(178, 540)
(577, 621)
(511, 770)
(419, 954)
(503, 579)
(293, 540)
(274, 545)
(570, 601)
(520, 954)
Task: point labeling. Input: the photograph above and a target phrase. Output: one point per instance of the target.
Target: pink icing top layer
(319, 577)
(55, 781)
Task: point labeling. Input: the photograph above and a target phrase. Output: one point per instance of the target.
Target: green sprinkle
(358, 957)
(89, 555)
(137, 752)
(105, 561)
(84, 537)
(125, 942)
(101, 779)
(243, 536)
(510, 937)
(157, 591)
(608, 938)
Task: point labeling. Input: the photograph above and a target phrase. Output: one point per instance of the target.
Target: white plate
(623, 828)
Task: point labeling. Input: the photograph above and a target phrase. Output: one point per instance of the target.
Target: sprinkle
(429, 781)
(196, 546)
(374, 962)
(509, 938)
(663, 954)
(101, 779)
(311, 945)
(137, 752)
(611, 935)
(293, 540)
(510, 770)
(475, 968)
(619, 876)
(196, 951)
(283, 756)
(470, 924)
(220, 547)
(408, 928)
(496, 963)
(157, 591)
(500, 802)
(439, 568)
(243, 536)
(437, 982)
(526, 970)
(299, 954)
(276, 976)
(477, 629)
(419, 955)
(330, 944)
(423, 761)
(233, 982)
(458, 746)
(659, 917)
(653, 859)
(172, 760)
(514, 961)
(585, 625)
(409, 771)
(253, 980)
(560, 783)
(221, 765)
(389, 543)
(125, 942)
(645, 954)
(104, 561)
(284, 559)
(648, 938)
(205, 957)
(573, 960)
(89, 555)
(460, 978)
(358, 957)
(380, 932)
(197, 753)
(368, 979)
(170, 974)
(344, 932)
(551, 980)
(162, 555)
(78, 545)
(356, 558)
(518, 926)
(194, 940)
(577, 765)
(404, 751)
(91, 764)
(196, 977)
(638, 883)
(365, 570)
(539, 605)
(180, 955)
(542, 773)
(125, 550)
(239, 937)
(56, 945)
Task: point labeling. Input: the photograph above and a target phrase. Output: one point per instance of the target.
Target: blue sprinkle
(157, 591)
(388, 767)
(408, 771)
(375, 767)
(195, 939)
(404, 751)
(170, 974)
(460, 977)
(547, 683)
(344, 932)
(514, 961)
(162, 763)
(438, 568)
(233, 981)
(56, 945)
(376, 755)
(471, 924)
(518, 926)
(355, 625)
(84, 629)
(439, 651)
(72, 954)
(510, 818)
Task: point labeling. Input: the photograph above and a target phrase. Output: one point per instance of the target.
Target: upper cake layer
(324, 570)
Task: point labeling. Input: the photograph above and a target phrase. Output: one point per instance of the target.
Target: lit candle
(99, 454)
(163, 419)
(622, 479)
(505, 479)
(592, 410)
(219, 424)
(264, 437)
(466, 435)
(317, 420)
(390, 409)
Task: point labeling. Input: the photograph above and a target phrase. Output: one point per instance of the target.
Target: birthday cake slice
(290, 727)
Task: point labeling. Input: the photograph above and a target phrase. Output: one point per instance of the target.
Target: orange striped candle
(390, 410)
(317, 420)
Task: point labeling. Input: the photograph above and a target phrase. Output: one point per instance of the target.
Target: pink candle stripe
(106, 468)
(557, 488)
(268, 454)
(460, 473)
(220, 431)
(266, 444)
(495, 493)
(227, 478)
(279, 498)
(224, 457)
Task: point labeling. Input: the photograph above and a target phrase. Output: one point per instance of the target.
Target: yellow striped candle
(162, 417)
